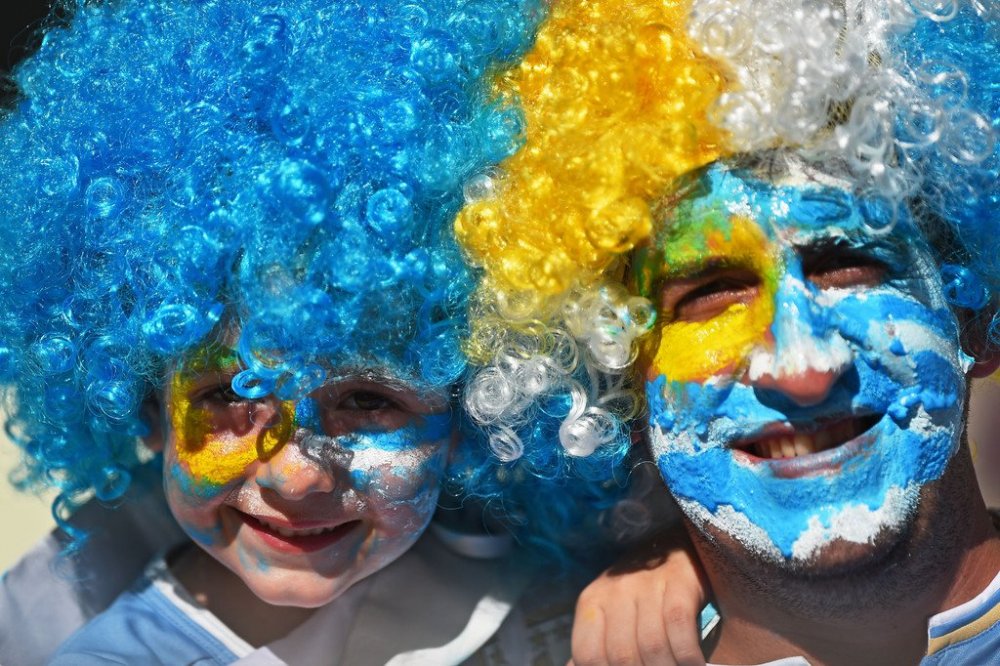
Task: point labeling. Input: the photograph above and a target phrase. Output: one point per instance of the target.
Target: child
(225, 236)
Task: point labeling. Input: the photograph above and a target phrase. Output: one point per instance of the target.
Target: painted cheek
(210, 458)
(400, 473)
(696, 351)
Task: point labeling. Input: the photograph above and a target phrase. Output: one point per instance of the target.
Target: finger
(651, 637)
(621, 647)
(680, 622)
(587, 642)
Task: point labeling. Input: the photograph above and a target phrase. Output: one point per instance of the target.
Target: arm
(644, 610)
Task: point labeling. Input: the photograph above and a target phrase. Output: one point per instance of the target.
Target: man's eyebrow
(843, 240)
(698, 268)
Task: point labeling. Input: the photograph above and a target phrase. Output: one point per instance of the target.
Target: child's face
(806, 379)
(302, 499)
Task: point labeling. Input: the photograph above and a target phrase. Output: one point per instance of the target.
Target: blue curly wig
(292, 167)
(955, 64)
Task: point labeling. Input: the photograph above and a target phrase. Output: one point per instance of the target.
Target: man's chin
(836, 558)
(841, 557)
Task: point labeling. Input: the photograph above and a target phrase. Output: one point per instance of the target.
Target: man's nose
(804, 355)
(805, 387)
(294, 475)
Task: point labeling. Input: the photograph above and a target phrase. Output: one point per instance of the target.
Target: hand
(644, 610)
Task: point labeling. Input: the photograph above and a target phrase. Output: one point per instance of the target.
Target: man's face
(302, 499)
(805, 379)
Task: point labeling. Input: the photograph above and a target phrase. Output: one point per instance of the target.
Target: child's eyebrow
(374, 375)
(390, 380)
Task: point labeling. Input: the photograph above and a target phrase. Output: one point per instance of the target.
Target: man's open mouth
(788, 441)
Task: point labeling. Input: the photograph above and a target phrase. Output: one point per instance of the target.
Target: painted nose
(805, 356)
(293, 475)
(805, 387)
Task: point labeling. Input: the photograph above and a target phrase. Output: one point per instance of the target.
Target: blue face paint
(860, 381)
(345, 488)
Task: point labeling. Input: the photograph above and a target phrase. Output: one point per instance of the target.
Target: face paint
(302, 499)
(806, 378)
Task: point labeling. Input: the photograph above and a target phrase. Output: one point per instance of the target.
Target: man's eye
(366, 401)
(843, 270)
(707, 299)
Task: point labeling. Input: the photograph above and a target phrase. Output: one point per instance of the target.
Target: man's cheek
(686, 408)
(902, 341)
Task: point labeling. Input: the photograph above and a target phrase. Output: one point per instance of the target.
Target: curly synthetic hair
(287, 170)
(903, 94)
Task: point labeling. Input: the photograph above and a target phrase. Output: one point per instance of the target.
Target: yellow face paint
(615, 98)
(685, 351)
(216, 442)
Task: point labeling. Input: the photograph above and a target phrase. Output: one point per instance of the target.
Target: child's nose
(294, 475)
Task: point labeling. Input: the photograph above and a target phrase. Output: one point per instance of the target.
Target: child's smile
(302, 499)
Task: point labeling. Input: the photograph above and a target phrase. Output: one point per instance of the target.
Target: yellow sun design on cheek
(211, 453)
(694, 351)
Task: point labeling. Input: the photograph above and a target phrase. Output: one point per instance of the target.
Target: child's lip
(297, 536)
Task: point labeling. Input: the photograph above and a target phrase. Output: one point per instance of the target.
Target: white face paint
(808, 379)
(303, 499)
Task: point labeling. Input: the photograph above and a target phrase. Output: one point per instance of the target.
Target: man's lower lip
(297, 544)
(829, 461)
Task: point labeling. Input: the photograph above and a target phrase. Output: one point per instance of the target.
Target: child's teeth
(286, 532)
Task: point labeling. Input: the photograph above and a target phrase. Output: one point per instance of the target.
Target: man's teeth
(803, 444)
(286, 532)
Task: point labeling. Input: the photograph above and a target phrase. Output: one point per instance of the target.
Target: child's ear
(152, 415)
(976, 341)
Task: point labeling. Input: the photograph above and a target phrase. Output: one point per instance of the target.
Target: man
(807, 387)
(767, 358)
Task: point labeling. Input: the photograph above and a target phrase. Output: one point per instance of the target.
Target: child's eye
(367, 401)
(222, 393)
(703, 298)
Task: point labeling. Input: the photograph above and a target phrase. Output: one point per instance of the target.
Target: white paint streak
(800, 352)
(681, 442)
(856, 523)
(730, 521)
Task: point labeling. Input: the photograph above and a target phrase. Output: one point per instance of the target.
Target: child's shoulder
(49, 594)
(153, 622)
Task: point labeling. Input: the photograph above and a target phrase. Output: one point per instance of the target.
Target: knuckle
(585, 658)
(654, 647)
(689, 656)
(622, 657)
(678, 615)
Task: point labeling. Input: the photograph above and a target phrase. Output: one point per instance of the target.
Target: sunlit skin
(806, 378)
(350, 474)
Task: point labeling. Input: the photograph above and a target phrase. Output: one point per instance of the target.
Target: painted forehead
(730, 213)
(224, 360)
(796, 200)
